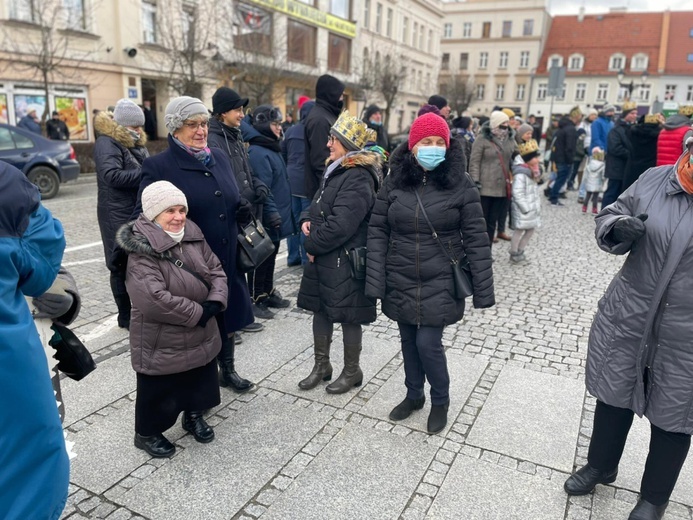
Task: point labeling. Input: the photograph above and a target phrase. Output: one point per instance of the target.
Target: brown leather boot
(322, 369)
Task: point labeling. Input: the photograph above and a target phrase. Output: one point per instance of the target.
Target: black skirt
(161, 399)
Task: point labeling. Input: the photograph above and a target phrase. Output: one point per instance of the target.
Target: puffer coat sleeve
(378, 242)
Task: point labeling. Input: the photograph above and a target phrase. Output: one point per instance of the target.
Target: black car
(46, 163)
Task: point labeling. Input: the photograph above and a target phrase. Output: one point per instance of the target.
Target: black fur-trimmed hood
(371, 161)
(105, 125)
(405, 172)
(144, 237)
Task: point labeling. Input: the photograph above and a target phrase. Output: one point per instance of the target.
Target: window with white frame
(669, 92)
(639, 62)
(520, 92)
(149, 22)
(644, 92)
(480, 91)
(555, 60)
(500, 92)
(405, 29)
(464, 60)
(483, 60)
(75, 15)
(617, 62)
(622, 93)
(445, 63)
(528, 27)
(542, 89)
(23, 10)
(367, 14)
(427, 86)
(421, 37)
(447, 30)
(524, 59)
(414, 34)
(580, 91)
(430, 41)
(561, 93)
(689, 93)
(503, 62)
(379, 19)
(507, 28)
(602, 91)
(467, 30)
(576, 62)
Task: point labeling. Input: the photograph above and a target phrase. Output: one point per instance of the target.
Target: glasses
(330, 140)
(194, 125)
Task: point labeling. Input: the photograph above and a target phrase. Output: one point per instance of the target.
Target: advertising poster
(73, 110)
(3, 109)
(23, 103)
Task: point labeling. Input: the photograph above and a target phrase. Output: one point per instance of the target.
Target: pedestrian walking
(56, 129)
(586, 124)
(638, 357)
(177, 286)
(563, 152)
(336, 227)
(578, 160)
(407, 267)
(526, 201)
(593, 180)
(619, 154)
(205, 176)
(119, 152)
(601, 127)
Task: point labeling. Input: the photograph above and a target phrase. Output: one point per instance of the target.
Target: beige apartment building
(490, 51)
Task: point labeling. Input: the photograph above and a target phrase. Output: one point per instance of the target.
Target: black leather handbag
(74, 360)
(357, 262)
(254, 247)
(461, 272)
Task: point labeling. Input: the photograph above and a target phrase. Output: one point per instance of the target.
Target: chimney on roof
(581, 13)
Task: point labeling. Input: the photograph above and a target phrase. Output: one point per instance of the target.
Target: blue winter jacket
(28, 123)
(34, 467)
(600, 130)
(294, 153)
(269, 167)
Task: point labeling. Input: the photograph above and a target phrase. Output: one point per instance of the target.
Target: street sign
(670, 108)
(556, 80)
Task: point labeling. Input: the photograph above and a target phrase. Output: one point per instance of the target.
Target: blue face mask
(429, 157)
(375, 123)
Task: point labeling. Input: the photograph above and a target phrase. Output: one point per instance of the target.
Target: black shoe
(256, 326)
(438, 418)
(194, 423)
(227, 371)
(584, 480)
(275, 300)
(406, 407)
(237, 338)
(293, 264)
(156, 445)
(646, 511)
(261, 311)
(562, 196)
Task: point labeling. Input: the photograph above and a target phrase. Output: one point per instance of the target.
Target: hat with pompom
(429, 125)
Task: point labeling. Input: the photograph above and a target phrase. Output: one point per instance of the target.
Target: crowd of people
(411, 228)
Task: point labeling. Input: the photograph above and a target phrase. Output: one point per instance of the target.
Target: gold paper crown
(686, 110)
(528, 147)
(628, 106)
(352, 132)
(652, 119)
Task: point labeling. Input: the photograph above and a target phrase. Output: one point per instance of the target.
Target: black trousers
(424, 358)
(261, 281)
(352, 333)
(504, 214)
(667, 454)
(493, 208)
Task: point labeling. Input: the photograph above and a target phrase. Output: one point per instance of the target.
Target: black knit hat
(372, 109)
(225, 99)
(438, 101)
(328, 88)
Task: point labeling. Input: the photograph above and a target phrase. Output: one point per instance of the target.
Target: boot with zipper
(227, 372)
(322, 369)
(351, 375)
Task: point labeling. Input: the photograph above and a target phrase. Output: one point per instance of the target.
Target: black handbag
(357, 262)
(74, 360)
(254, 247)
(461, 272)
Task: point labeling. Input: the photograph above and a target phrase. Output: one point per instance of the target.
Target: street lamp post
(631, 86)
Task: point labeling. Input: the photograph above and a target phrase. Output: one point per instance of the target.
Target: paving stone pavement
(519, 419)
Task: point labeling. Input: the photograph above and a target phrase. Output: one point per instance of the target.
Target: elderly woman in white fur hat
(177, 285)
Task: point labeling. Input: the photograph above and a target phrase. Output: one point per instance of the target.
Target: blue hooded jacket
(294, 152)
(35, 467)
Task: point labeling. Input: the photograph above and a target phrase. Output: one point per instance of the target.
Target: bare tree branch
(459, 91)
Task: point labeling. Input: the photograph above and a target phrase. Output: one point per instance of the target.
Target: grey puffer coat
(407, 268)
(526, 201)
(164, 336)
(485, 166)
(640, 352)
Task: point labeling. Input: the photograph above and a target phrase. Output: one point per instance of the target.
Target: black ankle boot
(322, 368)
(351, 375)
(227, 372)
(646, 511)
(438, 418)
(156, 445)
(194, 423)
(406, 408)
(584, 480)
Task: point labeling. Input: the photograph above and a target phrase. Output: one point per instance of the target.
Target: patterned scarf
(204, 155)
(684, 172)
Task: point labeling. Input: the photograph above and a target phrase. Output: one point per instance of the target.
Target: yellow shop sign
(307, 13)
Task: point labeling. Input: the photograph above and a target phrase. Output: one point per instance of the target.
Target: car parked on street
(46, 163)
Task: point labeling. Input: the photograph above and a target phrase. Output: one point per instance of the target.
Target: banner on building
(24, 103)
(73, 110)
(250, 19)
(309, 14)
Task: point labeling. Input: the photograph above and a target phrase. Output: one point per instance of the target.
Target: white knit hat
(127, 113)
(498, 118)
(159, 196)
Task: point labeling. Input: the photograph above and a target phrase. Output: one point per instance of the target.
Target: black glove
(261, 194)
(117, 261)
(274, 221)
(244, 212)
(209, 309)
(629, 229)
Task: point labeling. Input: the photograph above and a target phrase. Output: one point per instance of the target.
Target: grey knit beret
(181, 108)
(127, 113)
(159, 196)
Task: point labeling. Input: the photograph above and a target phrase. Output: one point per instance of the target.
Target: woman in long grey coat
(640, 357)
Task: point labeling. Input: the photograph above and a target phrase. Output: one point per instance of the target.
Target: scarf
(177, 237)
(333, 166)
(271, 143)
(204, 155)
(684, 173)
(500, 133)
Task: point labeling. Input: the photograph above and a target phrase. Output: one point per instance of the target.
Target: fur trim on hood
(371, 161)
(406, 173)
(105, 125)
(144, 237)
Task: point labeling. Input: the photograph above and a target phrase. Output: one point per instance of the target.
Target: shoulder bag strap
(506, 173)
(179, 263)
(453, 260)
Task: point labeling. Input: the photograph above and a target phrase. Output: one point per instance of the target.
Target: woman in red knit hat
(409, 265)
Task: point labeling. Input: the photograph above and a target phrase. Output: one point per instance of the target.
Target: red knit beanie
(302, 100)
(429, 125)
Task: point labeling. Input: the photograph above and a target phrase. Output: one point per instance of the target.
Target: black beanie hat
(329, 89)
(372, 109)
(225, 99)
(438, 101)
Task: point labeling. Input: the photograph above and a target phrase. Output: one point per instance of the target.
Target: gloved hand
(261, 194)
(629, 229)
(274, 221)
(53, 305)
(209, 309)
(244, 212)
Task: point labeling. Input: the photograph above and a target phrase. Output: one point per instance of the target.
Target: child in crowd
(526, 201)
(594, 180)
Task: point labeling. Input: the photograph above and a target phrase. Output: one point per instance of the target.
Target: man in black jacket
(56, 128)
(620, 153)
(563, 151)
(373, 117)
(329, 93)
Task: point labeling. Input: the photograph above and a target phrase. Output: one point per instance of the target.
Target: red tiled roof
(597, 37)
(680, 43)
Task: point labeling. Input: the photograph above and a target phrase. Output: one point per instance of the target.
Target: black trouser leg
(609, 434)
(668, 452)
(268, 286)
(263, 276)
(121, 297)
(424, 357)
(503, 217)
(491, 206)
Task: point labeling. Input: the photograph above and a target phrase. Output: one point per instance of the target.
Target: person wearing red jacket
(677, 129)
